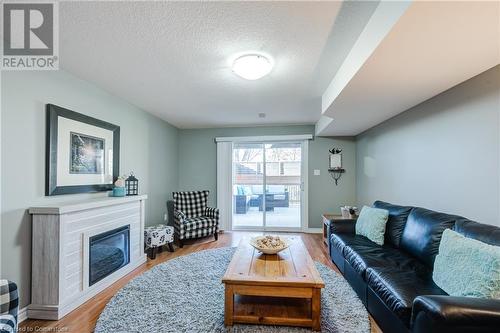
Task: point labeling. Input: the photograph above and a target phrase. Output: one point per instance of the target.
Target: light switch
(317, 172)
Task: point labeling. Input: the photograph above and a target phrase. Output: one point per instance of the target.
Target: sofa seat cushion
(361, 255)
(339, 241)
(397, 288)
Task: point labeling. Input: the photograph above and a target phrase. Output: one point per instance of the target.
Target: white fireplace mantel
(60, 250)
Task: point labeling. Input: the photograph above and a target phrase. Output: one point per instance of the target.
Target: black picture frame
(51, 188)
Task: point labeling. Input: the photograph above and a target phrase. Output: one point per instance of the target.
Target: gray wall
(197, 165)
(149, 147)
(442, 154)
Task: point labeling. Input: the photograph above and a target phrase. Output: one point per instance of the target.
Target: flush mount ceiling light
(252, 66)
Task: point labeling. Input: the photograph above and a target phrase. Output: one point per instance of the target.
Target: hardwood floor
(84, 318)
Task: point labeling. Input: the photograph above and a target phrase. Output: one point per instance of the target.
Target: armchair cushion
(193, 223)
(192, 203)
(9, 305)
(194, 227)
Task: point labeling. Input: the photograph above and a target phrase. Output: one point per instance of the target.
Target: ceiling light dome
(252, 66)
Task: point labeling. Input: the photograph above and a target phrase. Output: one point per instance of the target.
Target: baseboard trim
(304, 230)
(313, 230)
(22, 315)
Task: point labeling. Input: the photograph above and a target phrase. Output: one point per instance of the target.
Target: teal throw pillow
(467, 267)
(371, 224)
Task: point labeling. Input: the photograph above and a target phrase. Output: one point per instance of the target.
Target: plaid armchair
(9, 305)
(192, 217)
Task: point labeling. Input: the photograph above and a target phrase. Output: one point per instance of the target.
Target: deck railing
(293, 192)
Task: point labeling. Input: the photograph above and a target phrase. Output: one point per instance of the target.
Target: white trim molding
(274, 138)
(225, 174)
(224, 183)
(304, 211)
(22, 315)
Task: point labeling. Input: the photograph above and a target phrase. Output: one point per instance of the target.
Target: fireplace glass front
(109, 252)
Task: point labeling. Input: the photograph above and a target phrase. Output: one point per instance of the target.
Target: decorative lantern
(132, 185)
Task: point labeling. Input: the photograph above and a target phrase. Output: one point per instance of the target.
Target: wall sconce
(335, 168)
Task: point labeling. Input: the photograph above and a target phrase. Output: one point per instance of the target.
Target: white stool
(156, 236)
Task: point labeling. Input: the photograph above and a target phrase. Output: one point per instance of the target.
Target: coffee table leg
(316, 309)
(229, 305)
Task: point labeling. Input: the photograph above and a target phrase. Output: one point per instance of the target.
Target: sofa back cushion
(422, 233)
(482, 232)
(396, 221)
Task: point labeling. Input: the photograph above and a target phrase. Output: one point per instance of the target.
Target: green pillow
(371, 224)
(467, 267)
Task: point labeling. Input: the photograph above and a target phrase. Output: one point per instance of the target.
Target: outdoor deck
(281, 217)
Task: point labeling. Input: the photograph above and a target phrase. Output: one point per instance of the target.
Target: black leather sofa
(394, 281)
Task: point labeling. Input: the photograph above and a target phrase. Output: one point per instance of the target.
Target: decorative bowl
(266, 250)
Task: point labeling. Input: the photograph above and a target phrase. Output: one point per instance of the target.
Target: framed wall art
(82, 153)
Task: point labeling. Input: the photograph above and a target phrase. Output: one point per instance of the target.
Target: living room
(250, 166)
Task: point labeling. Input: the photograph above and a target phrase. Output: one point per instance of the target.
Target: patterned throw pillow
(192, 203)
(467, 267)
(371, 224)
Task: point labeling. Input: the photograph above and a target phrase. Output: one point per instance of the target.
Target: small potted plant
(119, 189)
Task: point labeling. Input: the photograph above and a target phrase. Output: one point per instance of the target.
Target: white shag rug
(185, 294)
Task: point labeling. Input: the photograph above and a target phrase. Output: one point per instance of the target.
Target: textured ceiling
(173, 58)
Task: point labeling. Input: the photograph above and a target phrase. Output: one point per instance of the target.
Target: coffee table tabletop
(290, 274)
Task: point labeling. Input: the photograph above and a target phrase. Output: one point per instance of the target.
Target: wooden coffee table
(279, 289)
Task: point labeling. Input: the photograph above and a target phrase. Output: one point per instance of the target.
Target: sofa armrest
(455, 314)
(345, 226)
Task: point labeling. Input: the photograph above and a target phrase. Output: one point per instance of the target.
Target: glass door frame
(303, 210)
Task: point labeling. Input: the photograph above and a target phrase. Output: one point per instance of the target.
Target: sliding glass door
(283, 184)
(267, 185)
(248, 185)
